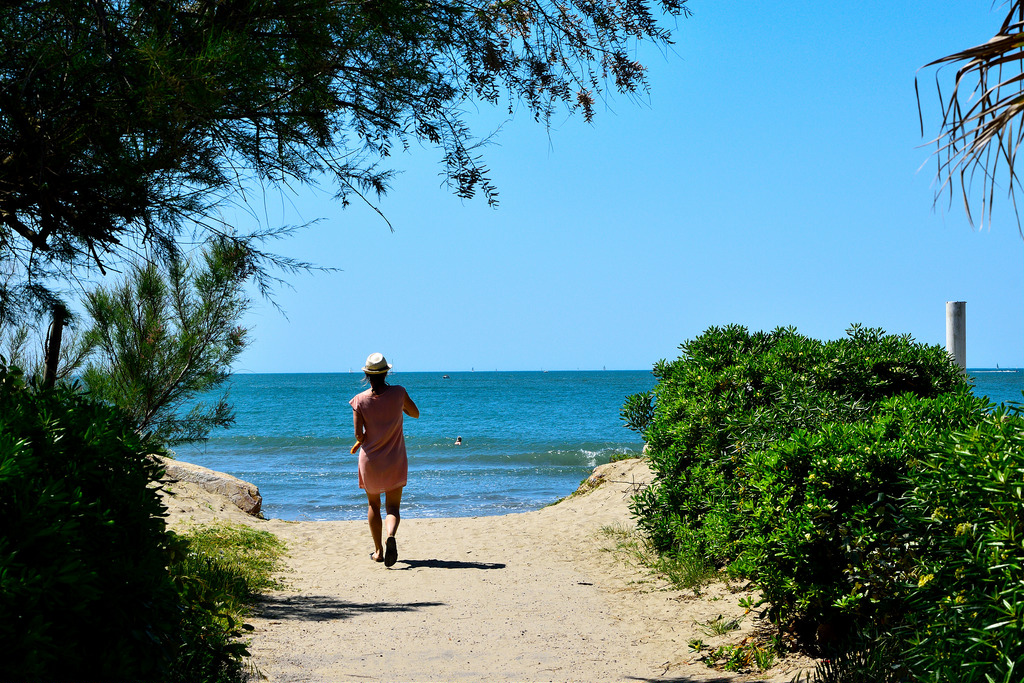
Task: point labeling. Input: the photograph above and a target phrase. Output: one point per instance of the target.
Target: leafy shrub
(869, 494)
(732, 394)
(782, 457)
(822, 510)
(638, 411)
(964, 610)
(84, 590)
(952, 569)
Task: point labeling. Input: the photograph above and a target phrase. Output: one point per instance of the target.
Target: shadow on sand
(448, 564)
(324, 607)
(710, 677)
(696, 679)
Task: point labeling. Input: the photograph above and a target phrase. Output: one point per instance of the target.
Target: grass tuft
(219, 570)
(237, 560)
(720, 626)
(246, 557)
(682, 571)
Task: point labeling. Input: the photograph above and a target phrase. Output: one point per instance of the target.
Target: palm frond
(981, 129)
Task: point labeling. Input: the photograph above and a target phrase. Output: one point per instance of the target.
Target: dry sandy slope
(525, 597)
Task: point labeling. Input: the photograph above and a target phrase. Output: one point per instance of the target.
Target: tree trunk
(53, 347)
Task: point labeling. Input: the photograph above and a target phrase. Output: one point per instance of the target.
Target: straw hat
(376, 364)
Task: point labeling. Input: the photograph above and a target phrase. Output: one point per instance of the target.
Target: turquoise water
(528, 438)
(999, 385)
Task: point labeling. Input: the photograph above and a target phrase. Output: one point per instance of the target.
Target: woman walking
(377, 414)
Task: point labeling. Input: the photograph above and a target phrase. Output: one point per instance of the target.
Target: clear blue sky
(773, 177)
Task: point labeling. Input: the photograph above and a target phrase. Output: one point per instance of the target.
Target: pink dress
(383, 464)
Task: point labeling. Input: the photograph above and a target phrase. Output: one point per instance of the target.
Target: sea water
(998, 385)
(528, 438)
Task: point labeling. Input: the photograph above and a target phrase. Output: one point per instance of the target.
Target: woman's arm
(359, 426)
(409, 408)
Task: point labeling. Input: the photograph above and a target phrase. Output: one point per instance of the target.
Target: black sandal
(390, 552)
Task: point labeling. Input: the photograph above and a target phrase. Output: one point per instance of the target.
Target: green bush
(964, 609)
(822, 511)
(946, 571)
(733, 394)
(876, 502)
(84, 589)
(92, 585)
(781, 457)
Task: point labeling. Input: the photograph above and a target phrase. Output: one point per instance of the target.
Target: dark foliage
(92, 585)
(125, 122)
(84, 588)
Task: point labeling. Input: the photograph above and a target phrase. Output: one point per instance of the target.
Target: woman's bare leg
(392, 503)
(376, 525)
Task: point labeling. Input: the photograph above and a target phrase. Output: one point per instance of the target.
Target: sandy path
(526, 597)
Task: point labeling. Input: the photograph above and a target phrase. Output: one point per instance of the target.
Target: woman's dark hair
(377, 381)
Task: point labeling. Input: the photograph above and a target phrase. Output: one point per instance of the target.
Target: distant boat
(445, 377)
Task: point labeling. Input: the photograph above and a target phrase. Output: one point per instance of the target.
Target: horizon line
(354, 371)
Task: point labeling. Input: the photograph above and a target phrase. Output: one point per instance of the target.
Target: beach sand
(537, 596)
